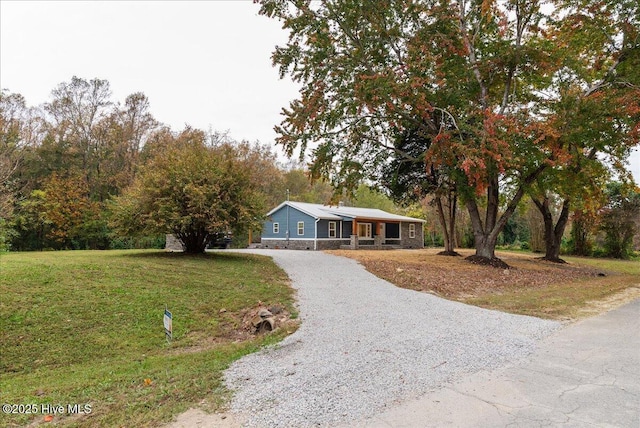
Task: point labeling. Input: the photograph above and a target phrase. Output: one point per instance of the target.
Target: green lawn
(85, 327)
(629, 267)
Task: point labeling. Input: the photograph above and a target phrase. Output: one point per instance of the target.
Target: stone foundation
(297, 244)
(302, 244)
(332, 245)
(173, 244)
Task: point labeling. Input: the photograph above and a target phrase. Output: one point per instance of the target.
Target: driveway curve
(365, 345)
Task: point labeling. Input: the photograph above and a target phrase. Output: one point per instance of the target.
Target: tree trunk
(535, 223)
(486, 234)
(194, 241)
(448, 222)
(485, 240)
(485, 246)
(443, 224)
(453, 208)
(553, 234)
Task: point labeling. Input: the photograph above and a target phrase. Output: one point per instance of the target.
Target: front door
(382, 232)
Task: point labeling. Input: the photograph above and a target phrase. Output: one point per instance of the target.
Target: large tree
(192, 189)
(595, 104)
(476, 77)
(558, 190)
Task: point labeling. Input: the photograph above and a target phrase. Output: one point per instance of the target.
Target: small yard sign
(168, 324)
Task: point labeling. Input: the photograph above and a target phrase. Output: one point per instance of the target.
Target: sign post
(168, 324)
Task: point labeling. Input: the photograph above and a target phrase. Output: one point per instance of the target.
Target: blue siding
(295, 216)
(323, 229)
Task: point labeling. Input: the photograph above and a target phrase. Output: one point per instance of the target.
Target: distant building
(304, 226)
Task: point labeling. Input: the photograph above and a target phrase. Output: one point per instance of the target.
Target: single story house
(304, 226)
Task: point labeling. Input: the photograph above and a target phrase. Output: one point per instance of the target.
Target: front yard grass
(580, 288)
(85, 327)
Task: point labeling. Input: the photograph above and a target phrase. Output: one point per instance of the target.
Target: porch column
(377, 242)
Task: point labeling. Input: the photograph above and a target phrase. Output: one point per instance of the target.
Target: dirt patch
(254, 319)
(614, 301)
(238, 327)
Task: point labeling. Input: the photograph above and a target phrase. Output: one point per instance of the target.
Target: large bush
(193, 190)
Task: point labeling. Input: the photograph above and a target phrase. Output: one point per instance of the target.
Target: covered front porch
(374, 234)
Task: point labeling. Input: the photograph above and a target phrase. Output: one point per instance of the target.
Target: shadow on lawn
(213, 255)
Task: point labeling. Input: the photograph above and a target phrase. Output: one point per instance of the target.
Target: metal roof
(311, 209)
(333, 212)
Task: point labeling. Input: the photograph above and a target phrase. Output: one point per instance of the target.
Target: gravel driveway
(365, 345)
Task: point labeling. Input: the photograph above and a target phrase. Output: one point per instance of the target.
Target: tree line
(84, 171)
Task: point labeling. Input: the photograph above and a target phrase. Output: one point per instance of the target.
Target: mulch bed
(457, 277)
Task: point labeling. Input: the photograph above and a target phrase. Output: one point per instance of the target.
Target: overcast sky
(202, 63)
(205, 63)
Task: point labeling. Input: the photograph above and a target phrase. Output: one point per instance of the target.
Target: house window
(412, 230)
(332, 229)
(364, 230)
(276, 228)
(301, 228)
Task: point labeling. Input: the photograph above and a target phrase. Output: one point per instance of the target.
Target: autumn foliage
(192, 189)
(504, 91)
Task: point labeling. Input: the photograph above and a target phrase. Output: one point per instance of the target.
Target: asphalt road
(585, 375)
